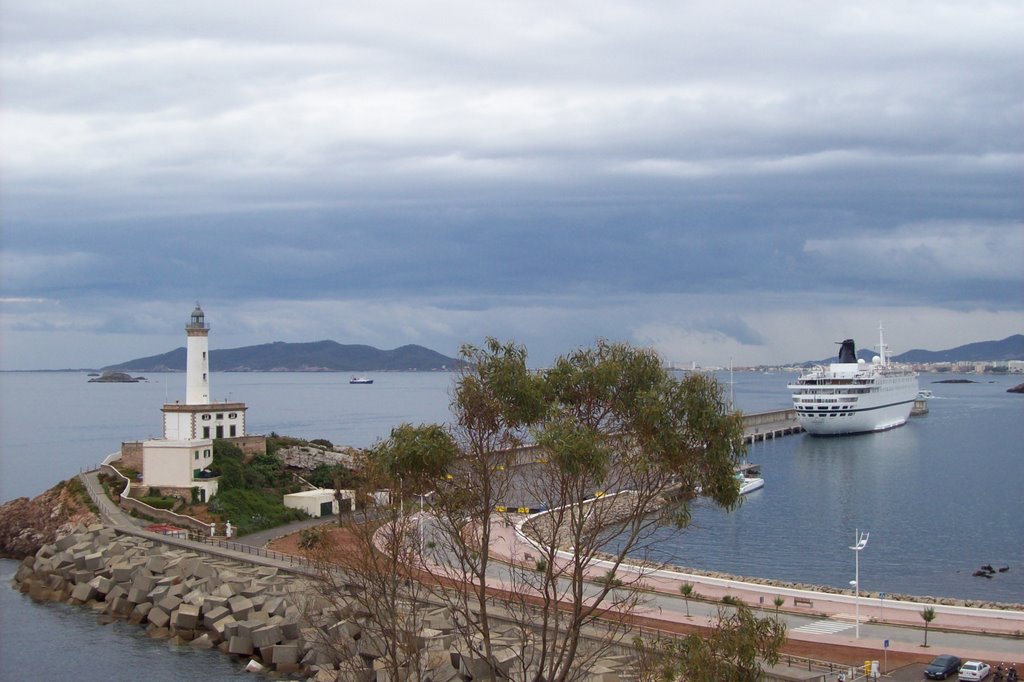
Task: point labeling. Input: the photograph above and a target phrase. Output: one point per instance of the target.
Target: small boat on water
(749, 476)
(360, 380)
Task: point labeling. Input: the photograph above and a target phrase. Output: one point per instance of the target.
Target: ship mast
(883, 352)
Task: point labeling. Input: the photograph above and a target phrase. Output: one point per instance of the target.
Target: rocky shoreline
(175, 593)
(26, 525)
(826, 589)
(253, 612)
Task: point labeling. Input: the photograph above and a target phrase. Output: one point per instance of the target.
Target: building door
(326, 509)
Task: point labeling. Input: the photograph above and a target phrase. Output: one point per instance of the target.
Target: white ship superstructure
(853, 396)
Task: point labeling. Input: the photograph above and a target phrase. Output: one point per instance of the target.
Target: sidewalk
(1005, 629)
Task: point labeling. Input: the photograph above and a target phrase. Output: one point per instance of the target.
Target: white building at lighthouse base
(179, 465)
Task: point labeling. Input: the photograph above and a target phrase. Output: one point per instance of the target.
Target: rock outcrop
(26, 525)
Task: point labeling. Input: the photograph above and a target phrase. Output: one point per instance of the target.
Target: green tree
(620, 448)
(625, 444)
(372, 571)
(686, 589)
(927, 615)
(778, 601)
(467, 473)
(229, 464)
(733, 650)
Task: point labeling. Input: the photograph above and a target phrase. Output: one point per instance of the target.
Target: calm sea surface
(940, 496)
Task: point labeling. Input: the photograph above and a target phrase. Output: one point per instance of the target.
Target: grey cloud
(522, 167)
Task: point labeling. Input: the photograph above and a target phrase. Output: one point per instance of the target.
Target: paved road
(986, 634)
(263, 537)
(971, 633)
(109, 512)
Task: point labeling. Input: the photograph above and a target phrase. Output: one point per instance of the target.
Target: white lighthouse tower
(199, 417)
(197, 362)
(179, 462)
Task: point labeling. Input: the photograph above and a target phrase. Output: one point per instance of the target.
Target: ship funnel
(847, 352)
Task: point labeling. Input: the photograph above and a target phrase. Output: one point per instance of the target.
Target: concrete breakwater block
(240, 645)
(187, 617)
(158, 617)
(139, 613)
(203, 641)
(212, 614)
(237, 607)
(83, 592)
(240, 607)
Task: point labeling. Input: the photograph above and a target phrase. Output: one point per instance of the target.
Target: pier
(761, 426)
(758, 426)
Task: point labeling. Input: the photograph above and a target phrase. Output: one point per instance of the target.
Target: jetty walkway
(818, 621)
(760, 426)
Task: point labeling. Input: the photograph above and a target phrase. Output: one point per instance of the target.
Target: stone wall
(131, 455)
(250, 445)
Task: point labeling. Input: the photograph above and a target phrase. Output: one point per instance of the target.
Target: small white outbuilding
(316, 503)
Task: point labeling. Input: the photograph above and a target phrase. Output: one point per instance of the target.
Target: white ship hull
(852, 396)
(869, 419)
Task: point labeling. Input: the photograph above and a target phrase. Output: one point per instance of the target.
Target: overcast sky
(717, 180)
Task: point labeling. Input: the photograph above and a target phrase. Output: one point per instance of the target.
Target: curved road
(985, 634)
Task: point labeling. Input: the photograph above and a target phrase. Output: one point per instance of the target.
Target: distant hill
(319, 356)
(1010, 348)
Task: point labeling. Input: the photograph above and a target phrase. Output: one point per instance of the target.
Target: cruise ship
(853, 396)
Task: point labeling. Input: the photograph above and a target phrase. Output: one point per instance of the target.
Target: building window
(220, 415)
(206, 454)
(232, 430)
(233, 415)
(206, 417)
(206, 432)
(204, 376)
(197, 454)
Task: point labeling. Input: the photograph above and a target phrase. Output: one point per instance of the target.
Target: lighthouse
(197, 362)
(199, 417)
(178, 464)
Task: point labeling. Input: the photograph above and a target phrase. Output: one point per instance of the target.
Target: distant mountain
(1010, 348)
(319, 356)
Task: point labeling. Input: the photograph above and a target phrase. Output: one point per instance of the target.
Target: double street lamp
(860, 541)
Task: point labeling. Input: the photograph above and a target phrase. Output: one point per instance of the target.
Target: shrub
(611, 579)
(312, 537)
(158, 502)
(253, 510)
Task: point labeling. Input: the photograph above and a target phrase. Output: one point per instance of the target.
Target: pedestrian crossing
(824, 627)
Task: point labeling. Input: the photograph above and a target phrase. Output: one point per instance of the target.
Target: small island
(116, 378)
(1019, 388)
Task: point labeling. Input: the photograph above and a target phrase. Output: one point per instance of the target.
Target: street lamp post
(860, 541)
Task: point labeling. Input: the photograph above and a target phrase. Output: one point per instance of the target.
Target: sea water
(47, 641)
(940, 496)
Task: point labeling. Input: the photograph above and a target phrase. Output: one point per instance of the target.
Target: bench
(802, 601)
